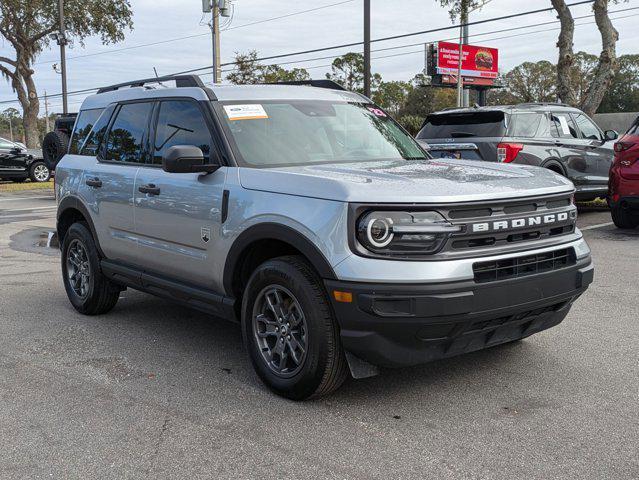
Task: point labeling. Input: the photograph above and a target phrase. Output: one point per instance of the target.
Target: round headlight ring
(377, 224)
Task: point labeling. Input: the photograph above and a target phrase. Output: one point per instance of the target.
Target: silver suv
(314, 220)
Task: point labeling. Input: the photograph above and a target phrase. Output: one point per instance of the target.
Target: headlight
(403, 233)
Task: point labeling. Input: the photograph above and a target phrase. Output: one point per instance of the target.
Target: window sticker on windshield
(378, 112)
(245, 112)
(564, 125)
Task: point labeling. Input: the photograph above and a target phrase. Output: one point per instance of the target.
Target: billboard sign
(482, 62)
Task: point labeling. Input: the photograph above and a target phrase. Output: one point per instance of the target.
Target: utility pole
(463, 17)
(10, 129)
(215, 40)
(216, 8)
(367, 48)
(465, 92)
(46, 111)
(62, 41)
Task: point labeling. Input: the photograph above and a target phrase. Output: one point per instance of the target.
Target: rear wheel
(290, 332)
(624, 217)
(39, 172)
(89, 291)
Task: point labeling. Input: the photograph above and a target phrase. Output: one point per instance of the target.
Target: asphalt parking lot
(153, 390)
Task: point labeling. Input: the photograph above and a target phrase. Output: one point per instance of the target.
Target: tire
(95, 294)
(39, 172)
(308, 321)
(624, 218)
(54, 145)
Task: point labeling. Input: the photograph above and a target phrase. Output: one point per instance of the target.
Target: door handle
(150, 189)
(94, 182)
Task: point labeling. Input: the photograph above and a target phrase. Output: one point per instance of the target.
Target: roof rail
(180, 82)
(542, 104)
(322, 83)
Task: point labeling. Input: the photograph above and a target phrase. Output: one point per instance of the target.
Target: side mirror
(610, 135)
(186, 159)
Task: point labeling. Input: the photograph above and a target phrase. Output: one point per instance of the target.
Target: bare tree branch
(608, 65)
(565, 89)
(9, 61)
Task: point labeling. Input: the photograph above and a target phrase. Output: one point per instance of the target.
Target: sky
(163, 20)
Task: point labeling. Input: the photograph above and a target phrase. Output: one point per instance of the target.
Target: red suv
(623, 183)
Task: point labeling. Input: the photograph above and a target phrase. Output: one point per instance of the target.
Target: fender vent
(523, 266)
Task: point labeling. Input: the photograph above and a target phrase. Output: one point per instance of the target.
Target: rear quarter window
(525, 124)
(464, 125)
(83, 125)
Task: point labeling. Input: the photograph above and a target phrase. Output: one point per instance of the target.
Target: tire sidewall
(79, 232)
(304, 383)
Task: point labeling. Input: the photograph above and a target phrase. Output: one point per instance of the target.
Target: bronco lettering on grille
(520, 222)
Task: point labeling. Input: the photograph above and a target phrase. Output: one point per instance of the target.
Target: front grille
(523, 266)
(470, 240)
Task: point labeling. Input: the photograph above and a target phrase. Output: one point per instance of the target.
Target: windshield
(464, 125)
(283, 133)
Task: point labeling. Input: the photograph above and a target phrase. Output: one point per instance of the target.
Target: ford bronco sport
(313, 219)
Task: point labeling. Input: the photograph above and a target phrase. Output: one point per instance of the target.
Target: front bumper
(396, 325)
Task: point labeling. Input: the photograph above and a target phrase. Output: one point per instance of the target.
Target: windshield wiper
(461, 134)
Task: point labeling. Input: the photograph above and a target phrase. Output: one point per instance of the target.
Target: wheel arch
(555, 165)
(264, 241)
(70, 211)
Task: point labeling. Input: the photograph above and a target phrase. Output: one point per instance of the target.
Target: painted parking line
(592, 227)
(16, 199)
(28, 209)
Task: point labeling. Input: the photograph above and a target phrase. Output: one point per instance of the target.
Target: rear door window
(587, 128)
(83, 126)
(464, 125)
(128, 133)
(525, 124)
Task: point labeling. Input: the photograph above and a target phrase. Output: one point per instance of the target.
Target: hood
(401, 181)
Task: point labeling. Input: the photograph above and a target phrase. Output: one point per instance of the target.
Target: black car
(549, 135)
(18, 164)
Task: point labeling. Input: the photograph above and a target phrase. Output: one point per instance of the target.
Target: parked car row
(553, 136)
(548, 135)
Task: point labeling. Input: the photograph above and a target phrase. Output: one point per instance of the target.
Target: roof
(538, 107)
(225, 93)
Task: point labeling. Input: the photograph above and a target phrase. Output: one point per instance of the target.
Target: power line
(187, 37)
(494, 19)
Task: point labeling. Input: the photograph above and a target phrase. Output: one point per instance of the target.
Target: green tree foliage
(348, 71)
(533, 82)
(248, 70)
(26, 26)
(623, 93)
(392, 95)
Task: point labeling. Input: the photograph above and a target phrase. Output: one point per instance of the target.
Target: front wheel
(39, 172)
(89, 291)
(290, 331)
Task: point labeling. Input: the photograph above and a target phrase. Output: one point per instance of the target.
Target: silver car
(310, 217)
